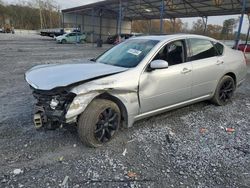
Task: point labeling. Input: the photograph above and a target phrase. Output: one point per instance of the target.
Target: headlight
(54, 103)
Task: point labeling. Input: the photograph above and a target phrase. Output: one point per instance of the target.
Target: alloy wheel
(107, 125)
(226, 91)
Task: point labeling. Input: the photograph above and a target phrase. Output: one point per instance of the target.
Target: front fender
(78, 105)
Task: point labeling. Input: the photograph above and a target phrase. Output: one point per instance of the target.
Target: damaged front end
(51, 107)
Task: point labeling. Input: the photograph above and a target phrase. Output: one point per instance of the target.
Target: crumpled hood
(50, 76)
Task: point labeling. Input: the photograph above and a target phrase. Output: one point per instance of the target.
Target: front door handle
(185, 70)
(219, 62)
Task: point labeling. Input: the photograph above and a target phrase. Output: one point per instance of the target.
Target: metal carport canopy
(167, 9)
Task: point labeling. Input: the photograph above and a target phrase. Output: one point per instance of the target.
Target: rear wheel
(224, 91)
(99, 123)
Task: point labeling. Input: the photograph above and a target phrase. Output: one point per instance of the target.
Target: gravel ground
(188, 147)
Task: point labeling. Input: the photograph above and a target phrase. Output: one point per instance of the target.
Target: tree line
(224, 32)
(31, 15)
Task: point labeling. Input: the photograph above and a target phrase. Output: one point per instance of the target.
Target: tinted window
(173, 53)
(219, 47)
(72, 34)
(201, 49)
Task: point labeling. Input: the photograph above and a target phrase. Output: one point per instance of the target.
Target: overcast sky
(211, 20)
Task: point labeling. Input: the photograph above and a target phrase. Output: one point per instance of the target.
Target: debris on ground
(132, 140)
(203, 130)
(230, 130)
(17, 171)
(132, 175)
(65, 183)
(124, 152)
(221, 127)
(60, 159)
(170, 136)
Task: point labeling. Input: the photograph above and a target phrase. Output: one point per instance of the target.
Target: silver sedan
(136, 79)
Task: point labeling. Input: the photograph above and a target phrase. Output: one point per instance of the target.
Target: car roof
(172, 36)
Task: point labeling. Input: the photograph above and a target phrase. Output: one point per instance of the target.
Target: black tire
(224, 91)
(95, 127)
(63, 41)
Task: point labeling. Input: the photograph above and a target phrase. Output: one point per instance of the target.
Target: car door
(207, 66)
(72, 37)
(164, 87)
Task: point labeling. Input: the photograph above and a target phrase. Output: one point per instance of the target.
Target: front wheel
(82, 41)
(99, 123)
(224, 91)
(63, 41)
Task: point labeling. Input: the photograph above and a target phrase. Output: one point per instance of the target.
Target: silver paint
(144, 93)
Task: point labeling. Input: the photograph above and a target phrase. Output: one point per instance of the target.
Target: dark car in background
(114, 38)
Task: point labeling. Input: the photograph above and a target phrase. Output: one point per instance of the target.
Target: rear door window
(201, 49)
(72, 34)
(219, 47)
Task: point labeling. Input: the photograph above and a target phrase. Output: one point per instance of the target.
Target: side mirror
(158, 64)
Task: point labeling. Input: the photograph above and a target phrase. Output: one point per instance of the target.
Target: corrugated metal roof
(150, 9)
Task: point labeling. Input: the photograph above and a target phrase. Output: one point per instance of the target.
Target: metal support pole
(59, 18)
(149, 28)
(248, 31)
(240, 24)
(100, 33)
(99, 42)
(120, 20)
(131, 24)
(205, 25)
(247, 39)
(117, 25)
(76, 25)
(63, 21)
(93, 26)
(82, 29)
(161, 16)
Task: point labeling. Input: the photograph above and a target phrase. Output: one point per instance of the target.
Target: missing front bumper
(48, 119)
(48, 116)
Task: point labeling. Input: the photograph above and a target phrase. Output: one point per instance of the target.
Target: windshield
(127, 54)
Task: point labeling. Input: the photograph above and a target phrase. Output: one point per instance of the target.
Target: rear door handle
(185, 70)
(219, 62)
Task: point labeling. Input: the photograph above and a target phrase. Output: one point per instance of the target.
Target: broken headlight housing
(54, 103)
(56, 99)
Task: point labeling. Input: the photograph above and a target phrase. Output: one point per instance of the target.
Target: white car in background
(73, 37)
